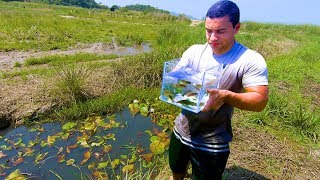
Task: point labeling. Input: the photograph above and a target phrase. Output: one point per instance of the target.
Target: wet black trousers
(205, 165)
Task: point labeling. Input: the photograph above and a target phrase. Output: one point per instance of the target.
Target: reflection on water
(133, 50)
(15, 142)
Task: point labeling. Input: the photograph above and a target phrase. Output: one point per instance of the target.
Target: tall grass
(107, 104)
(70, 88)
(298, 118)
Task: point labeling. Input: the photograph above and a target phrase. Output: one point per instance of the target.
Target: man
(203, 138)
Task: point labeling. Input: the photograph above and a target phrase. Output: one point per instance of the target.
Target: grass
(291, 52)
(48, 29)
(73, 58)
(70, 88)
(106, 105)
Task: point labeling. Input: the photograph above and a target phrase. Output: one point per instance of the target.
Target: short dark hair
(223, 8)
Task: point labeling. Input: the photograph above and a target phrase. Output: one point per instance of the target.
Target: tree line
(79, 3)
(93, 4)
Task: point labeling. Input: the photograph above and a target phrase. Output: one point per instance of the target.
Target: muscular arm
(254, 98)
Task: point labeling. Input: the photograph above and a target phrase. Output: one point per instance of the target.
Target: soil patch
(196, 22)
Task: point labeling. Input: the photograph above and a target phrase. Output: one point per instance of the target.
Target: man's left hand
(216, 99)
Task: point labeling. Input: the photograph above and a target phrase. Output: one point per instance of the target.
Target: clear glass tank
(186, 87)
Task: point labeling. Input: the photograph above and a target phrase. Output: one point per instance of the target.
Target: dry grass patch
(23, 97)
(271, 48)
(312, 90)
(265, 155)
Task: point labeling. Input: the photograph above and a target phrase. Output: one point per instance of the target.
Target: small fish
(187, 92)
(169, 94)
(197, 86)
(180, 85)
(184, 82)
(191, 94)
(186, 102)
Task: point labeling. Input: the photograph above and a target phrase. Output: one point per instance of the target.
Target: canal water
(27, 148)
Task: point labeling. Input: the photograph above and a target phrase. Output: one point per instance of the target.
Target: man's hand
(253, 98)
(216, 99)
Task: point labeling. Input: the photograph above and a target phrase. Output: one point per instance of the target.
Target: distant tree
(80, 3)
(12, 0)
(114, 8)
(145, 8)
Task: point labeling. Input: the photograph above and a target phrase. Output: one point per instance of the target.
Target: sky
(264, 11)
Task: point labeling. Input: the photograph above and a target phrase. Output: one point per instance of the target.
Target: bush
(70, 87)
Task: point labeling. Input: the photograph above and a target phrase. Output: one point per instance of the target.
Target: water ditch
(98, 146)
(8, 59)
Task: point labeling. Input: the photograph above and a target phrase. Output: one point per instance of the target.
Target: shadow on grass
(237, 173)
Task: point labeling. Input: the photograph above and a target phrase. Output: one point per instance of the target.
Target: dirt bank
(196, 22)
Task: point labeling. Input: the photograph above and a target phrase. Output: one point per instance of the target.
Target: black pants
(205, 165)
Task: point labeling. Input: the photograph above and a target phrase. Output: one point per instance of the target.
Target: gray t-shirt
(243, 67)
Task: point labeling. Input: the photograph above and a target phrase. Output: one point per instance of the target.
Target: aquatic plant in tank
(186, 87)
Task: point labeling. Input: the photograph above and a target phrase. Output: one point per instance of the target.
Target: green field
(281, 142)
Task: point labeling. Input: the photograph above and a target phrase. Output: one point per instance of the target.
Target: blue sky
(266, 11)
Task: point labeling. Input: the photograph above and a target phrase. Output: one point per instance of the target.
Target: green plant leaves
(70, 162)
(142, 107)
(128, 168)
(69, 125)
(103, 165)
(154, 138)
(17, 142)
(51, 139)
(16, 175)
(115, 163)
(157, 147)
(40, 157)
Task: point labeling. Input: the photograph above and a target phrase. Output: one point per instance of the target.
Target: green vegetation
(291, 52)
(147, 8)
(74, 58)
(52, 27)
(80, 3)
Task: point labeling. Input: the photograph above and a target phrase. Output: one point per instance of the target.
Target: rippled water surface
(41, 161)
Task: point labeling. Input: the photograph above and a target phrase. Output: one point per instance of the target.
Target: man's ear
(237, 28)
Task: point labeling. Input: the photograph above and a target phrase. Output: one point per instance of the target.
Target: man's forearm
(251, 101)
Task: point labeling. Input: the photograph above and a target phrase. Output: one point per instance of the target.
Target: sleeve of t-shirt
(256, 72)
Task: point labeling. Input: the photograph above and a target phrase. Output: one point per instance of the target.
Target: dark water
(131, 134)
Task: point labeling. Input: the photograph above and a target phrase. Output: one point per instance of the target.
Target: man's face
(220, 34)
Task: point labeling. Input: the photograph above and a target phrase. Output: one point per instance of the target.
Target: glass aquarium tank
(186, 87)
